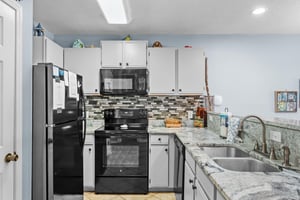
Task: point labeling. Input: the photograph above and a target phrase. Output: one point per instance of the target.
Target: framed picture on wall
(285, 101)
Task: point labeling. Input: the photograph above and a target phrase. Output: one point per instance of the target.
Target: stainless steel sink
(223, 151)
(245, 165)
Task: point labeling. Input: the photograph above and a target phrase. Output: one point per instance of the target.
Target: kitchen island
(233, 185)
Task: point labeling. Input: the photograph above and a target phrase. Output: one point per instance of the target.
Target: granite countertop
(236, 185)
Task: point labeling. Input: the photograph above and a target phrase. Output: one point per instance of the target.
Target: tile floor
(149, 196)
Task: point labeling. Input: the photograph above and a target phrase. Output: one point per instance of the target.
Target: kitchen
(239, 63)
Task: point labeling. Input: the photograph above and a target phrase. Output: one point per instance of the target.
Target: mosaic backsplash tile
(159, 107)
(253, 131)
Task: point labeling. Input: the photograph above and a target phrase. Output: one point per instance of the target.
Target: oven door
(121, 154)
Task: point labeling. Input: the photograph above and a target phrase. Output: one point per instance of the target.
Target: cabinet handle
(166, 150)
(159, 139)
(120, 64)
(180, 90)
(173, 90)
(127, 64)
(96, 90)
(194, 187)
(90, 149)
(191, 181)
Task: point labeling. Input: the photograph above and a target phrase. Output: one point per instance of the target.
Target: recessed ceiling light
(259, 11)
(115, 11)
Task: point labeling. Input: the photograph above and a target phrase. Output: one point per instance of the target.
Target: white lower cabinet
(219, 196)
(205, 183)
(197, 185)
(89, 163)
(159, 161)
(199, 193)
(189, 179)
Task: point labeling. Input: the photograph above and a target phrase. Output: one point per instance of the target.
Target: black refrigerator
(58, 134)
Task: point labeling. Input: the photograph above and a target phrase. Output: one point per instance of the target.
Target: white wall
(244, 69)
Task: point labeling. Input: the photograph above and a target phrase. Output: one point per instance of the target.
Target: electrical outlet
(190, 114)
(275, 136)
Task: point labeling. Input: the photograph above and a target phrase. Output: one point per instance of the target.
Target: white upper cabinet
(162, 70)
(124, 54)
(47, 51)
(86, 62)
(191, 71)
(112, 53)
(176, 71)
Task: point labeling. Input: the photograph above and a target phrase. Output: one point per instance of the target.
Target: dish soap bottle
(224, 119)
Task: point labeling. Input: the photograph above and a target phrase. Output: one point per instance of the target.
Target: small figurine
(38, 30)
(157, 44)
(127, 38)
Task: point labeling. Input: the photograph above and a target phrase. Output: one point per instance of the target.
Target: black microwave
(123, 81)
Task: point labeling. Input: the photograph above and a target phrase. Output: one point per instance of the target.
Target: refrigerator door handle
(50, 125)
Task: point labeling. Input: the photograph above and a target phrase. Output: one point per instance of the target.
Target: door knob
(11, 157)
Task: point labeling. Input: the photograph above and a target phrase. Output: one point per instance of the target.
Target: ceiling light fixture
(115, 11)
(259, 11)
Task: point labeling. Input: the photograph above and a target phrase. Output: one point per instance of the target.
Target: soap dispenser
(224, 118)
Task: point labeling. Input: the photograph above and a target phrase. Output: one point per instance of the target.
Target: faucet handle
(256, 146)
(286, 156)
(272, 154)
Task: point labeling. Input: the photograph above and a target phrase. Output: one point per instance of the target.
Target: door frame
(18, 99)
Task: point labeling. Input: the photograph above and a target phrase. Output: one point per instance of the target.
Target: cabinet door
(86, 62)
(112, 53)
(135, 54)
(191, 71)
(159, 166)
(54, 53)
(199, 193)
(89, 167)
(189, 179)
(45, 50)
(161, 70)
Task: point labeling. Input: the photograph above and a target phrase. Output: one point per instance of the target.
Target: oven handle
(114, 135)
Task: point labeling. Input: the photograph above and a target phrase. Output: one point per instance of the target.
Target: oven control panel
(125, 113)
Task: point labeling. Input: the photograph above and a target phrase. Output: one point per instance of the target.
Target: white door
(10, 174)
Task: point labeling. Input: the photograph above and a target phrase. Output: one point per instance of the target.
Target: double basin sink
(234, 159)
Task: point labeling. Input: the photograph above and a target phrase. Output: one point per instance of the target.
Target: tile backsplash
(159, 107)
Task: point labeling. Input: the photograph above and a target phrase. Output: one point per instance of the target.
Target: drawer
(159, 139)
(206, 184)
(89, 139)
(190, 160)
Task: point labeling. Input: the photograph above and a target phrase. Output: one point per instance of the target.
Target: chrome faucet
(264, 143)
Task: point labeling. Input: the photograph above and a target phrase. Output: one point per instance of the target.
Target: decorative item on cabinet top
(38, 30)
(78, 44)
(157, 44)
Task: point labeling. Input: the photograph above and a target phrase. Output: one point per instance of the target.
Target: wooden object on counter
(173, 123)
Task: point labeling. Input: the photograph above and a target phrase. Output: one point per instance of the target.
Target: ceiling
(171, 17)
